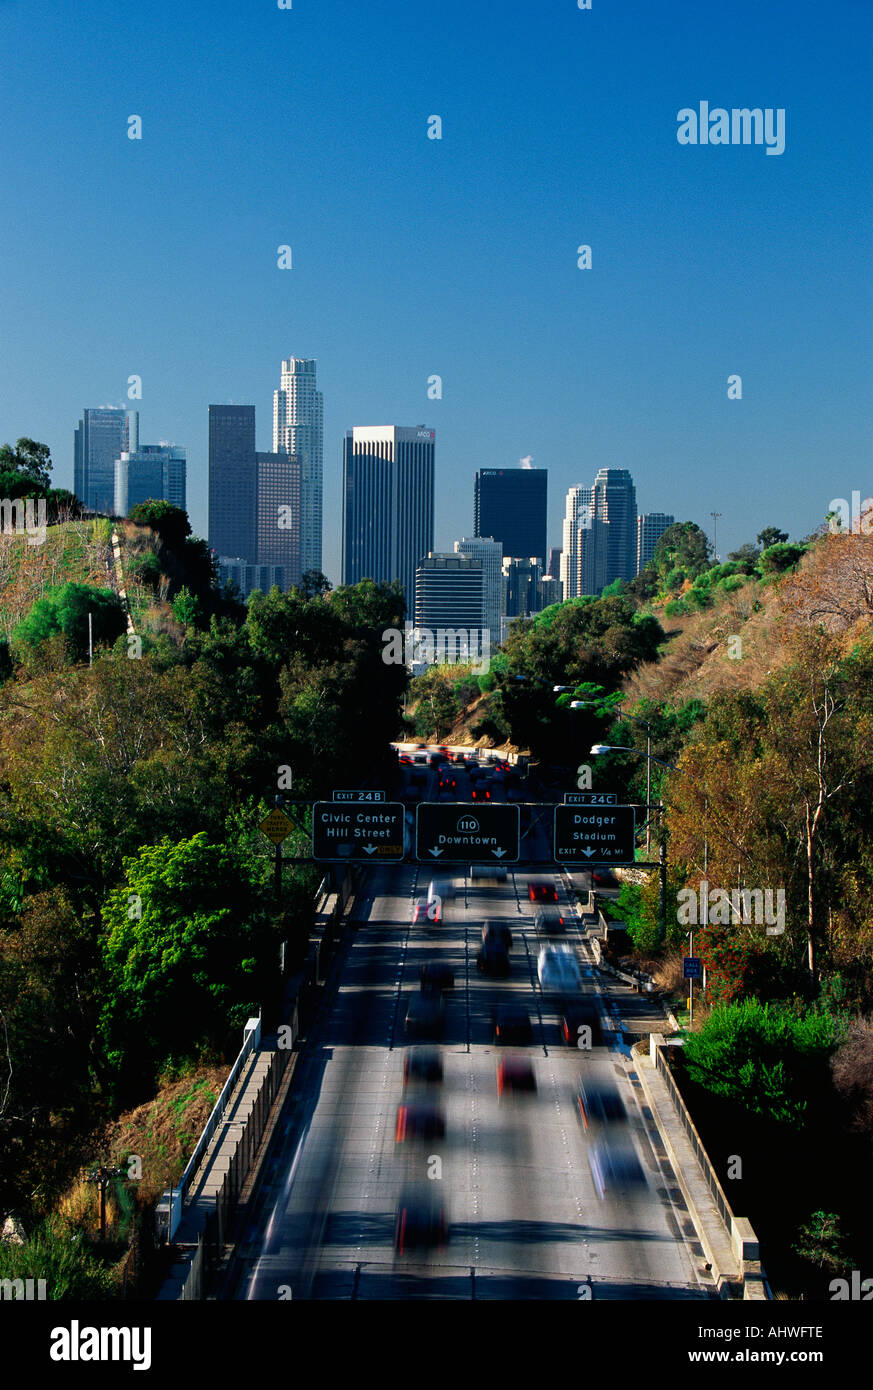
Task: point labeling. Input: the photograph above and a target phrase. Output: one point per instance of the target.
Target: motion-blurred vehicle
(436, 977)
(614, 1166)
(558, 971)
(434, 760)
(406, 759)
(605, 878)
(497, 931)
(598, 1103)
(493, 959)
(576, 1016)
(480, 793)
(425, 1016)
(515, 1074)
(419, 1120)
(539, 890)
(424, 910)
(512, 1025)
(423, 1064)
(549, 920)
(421, 1220)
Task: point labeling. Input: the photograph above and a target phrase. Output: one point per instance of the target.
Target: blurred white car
(558, 970)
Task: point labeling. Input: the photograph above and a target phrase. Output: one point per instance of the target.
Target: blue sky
(457, 257)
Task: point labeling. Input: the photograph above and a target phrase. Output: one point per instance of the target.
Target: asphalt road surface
(512, 1174)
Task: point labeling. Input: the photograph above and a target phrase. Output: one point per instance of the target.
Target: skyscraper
(298, 428)
(232, 481)
(101, 437)
(254, 502)
(509, 504)
(388, 501)
(600, 528)
(449, 593)
(152, 471)
(490, 554)
(650, 527)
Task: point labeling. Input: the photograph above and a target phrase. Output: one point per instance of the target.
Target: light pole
(580, 704)
(596, 750)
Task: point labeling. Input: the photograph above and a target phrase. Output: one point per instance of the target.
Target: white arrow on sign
(589, 852)
(498, 853)
(434, 852)
(369, 849)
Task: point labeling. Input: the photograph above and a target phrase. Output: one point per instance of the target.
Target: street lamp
(635, 719)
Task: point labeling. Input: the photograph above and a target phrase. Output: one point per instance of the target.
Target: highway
(512, 1174)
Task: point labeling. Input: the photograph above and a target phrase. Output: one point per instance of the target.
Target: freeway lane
(525, 1218)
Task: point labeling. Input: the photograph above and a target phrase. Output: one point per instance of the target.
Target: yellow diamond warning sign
(277, 827)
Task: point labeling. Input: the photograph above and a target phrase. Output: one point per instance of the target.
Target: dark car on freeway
(599, 1104)
(575, 1016)
(425, 1016)
(423, 1064)
(512, 1024)
(419, 1120)
(497, 931)
(480, 793)
(549, 920)
(421, 1221)
(493, 959)
(436, 977)
(539, 890)
(426, 911)
(515, 1074)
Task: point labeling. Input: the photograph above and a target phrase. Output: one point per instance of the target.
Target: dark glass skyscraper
(388, 499)
(101, 437)
(509, 504)
(232, 481)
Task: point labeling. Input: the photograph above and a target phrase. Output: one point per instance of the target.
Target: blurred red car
(539, 890)
(515, 1074)
(419, 1122)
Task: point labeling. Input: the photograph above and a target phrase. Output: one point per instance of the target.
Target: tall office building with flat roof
(232, 481)
(650, 528)
(449, 593)
(255, 508)
(490, 554)
(600, 533)
(388, 504)
(102, 436)
(298, 428)
(509, 504)
(152, 471)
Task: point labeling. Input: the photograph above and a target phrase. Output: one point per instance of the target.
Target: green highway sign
(369, 832)
(456, 833)
(594, 834)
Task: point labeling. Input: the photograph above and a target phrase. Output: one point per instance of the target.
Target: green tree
(682, 551)
(771, 535)
(171, 523)
(65, 609)
(28, 460)
(189, 954)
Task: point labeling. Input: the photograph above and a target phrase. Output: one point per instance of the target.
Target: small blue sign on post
(692, 967)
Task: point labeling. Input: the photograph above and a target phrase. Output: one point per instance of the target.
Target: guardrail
(176, 1195)
(709, 1173)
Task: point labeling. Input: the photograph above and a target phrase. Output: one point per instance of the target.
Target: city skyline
(459, 299)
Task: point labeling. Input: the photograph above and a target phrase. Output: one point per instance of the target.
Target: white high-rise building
(577, 520)
(490, 553)
(298, 428)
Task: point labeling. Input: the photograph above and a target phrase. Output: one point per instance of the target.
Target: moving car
(539, 890)
(420, 1221)
(423, 1064)
(549, 920)
(558, 971)
(614, 1166)
(426, 911)
(493, 959)
(420, 1120)
(480, 793)
(425, 1016)
(512, 1024)
(497, 931)
(576, 1016)
(436, 977)
(598, 1103)
(515, 1074)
